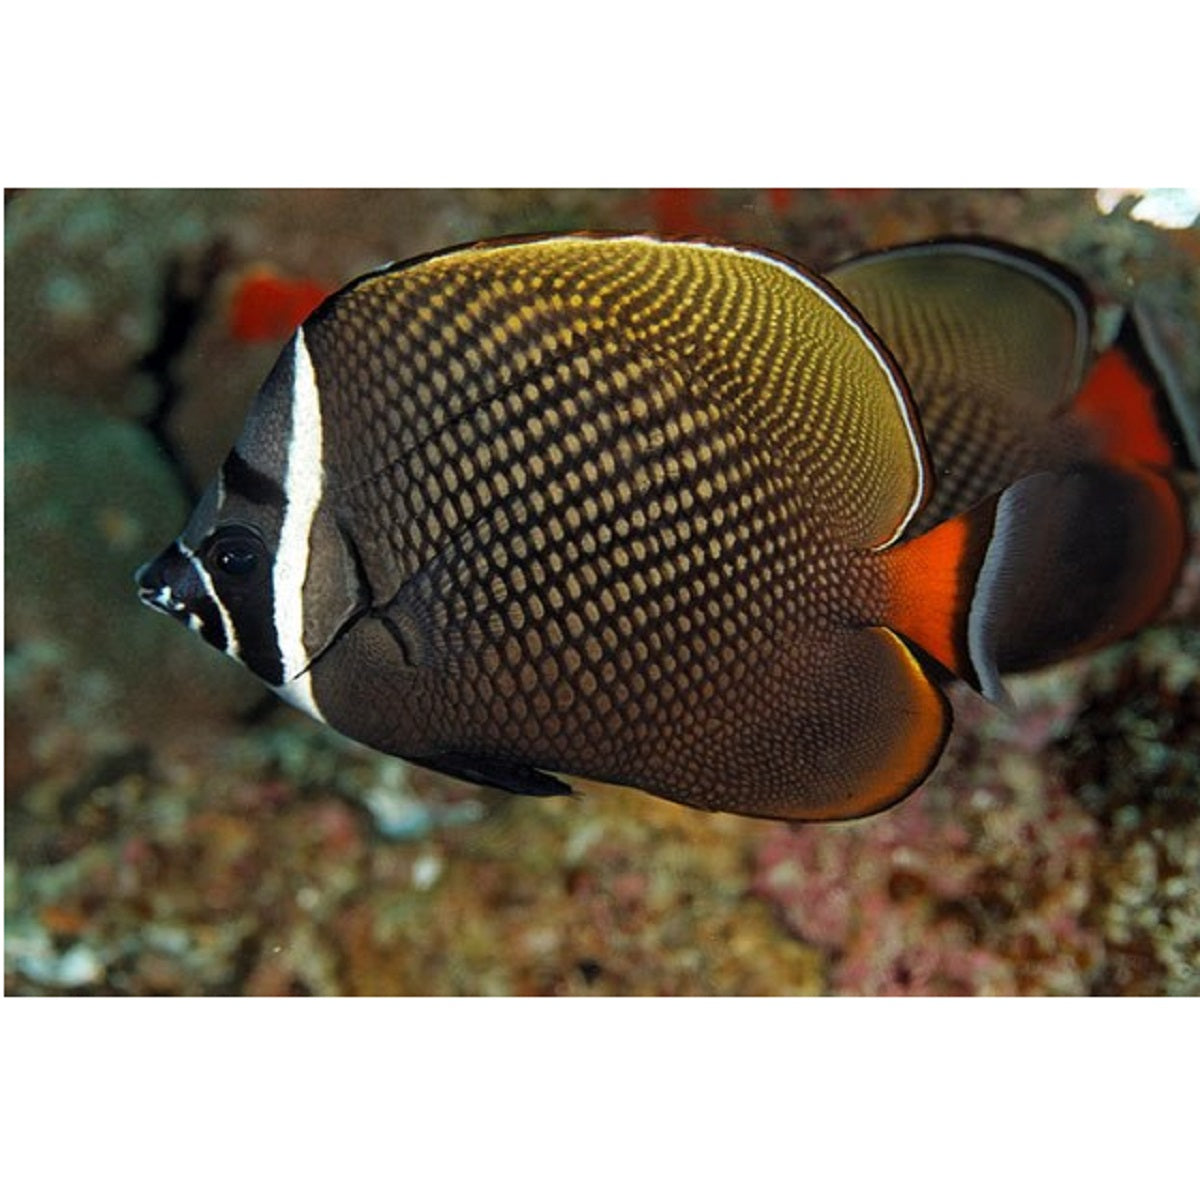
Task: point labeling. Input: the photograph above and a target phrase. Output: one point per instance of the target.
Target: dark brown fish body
(597, 530)
(609, 508)
(996, 345)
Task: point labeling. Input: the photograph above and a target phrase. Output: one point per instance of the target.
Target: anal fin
(893, 723)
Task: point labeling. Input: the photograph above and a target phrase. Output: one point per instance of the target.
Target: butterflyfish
(996, 343)
(606, 509)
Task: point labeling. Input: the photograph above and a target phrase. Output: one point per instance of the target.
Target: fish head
(216, 578)
(261, 570)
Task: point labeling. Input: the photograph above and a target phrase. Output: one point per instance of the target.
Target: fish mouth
(176, 583)
(154, 587)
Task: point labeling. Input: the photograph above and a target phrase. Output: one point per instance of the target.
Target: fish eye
(235, 552)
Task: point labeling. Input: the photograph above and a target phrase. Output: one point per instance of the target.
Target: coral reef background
(170, 829)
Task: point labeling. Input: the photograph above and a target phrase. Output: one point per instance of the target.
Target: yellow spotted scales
(618, 516)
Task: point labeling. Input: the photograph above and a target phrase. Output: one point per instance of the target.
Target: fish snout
(158, 582)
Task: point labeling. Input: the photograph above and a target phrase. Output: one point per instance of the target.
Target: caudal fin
(1058, 564)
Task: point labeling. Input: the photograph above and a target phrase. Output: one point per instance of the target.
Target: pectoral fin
(497, 773)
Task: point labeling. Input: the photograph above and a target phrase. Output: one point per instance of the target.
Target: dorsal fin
(983, 319)
(993, 341)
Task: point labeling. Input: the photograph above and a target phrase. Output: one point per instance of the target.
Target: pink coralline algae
(930, 899)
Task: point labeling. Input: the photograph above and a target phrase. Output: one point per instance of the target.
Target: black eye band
(236, 553)
(175, 583)
(236, 558)
(238, 566)
(212, 627)
(246, 481)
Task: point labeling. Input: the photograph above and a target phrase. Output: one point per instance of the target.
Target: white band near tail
(995, 579)
(303, 485)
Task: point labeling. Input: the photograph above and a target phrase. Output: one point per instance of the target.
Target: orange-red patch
(779, 199)
(925, 575)
(677, 211)
(268, 306)
(1118, 402)
(63, 920)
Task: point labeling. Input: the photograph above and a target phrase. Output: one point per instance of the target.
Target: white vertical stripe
(232, 647)
(298, 692)
(302, 488)
(995, 578)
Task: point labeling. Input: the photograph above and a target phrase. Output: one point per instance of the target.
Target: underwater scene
(892, 692)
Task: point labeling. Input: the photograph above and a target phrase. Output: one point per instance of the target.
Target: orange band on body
(926, 593)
